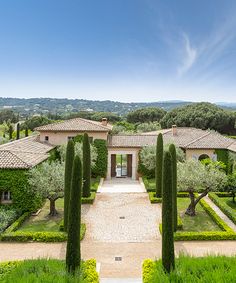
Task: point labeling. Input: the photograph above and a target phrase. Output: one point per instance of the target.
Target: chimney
(174, 130)
(104, 121)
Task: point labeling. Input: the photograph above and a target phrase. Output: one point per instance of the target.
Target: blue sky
(125, 50)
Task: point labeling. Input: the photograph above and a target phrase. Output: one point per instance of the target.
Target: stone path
(121, 185)
(122, 218)
(220, 213)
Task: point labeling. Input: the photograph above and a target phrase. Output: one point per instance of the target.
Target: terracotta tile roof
(24, 153)
(232, 147)
(185, 138)
(76, 125)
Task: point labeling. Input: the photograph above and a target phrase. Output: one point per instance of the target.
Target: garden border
(226, 234)
(12, 235)
(228, 211)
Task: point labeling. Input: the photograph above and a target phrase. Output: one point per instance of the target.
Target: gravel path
(122, 218)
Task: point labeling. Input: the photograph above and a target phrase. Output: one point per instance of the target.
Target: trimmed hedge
(227, 210)
(148, 270)
(226, 234)
(90, 199)
(22, 236)
(16, 225)
(154, 199)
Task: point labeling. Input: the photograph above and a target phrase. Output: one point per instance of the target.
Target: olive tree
(148, 155)
(195, 177)
(79, 152)
(47, 180)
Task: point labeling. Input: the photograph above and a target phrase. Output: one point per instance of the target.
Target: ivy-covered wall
(15, 181)
(100, 168)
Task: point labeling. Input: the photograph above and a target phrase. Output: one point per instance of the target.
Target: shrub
(7, 215)
(21, 236)
(16, 225)
(218, 269)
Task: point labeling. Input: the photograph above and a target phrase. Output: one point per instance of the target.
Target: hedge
(226, 234)
(100, 168)
(227, 210)
(23, 236)
(148, 270)
(154, 199)
(90, 199)
(16, 181)
(16, 225)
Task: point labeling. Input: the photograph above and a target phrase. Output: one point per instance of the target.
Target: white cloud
(190, 56)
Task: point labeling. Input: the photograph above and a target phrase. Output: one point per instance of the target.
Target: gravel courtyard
(124, 217)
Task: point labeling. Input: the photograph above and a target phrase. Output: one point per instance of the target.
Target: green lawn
(208, 269)
(46, 271)
(43, 222)
(201, 222)
(229, 201)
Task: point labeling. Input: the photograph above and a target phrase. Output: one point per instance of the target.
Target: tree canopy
(148, 114)
(8, 115)
(47, 180)
(202, 115)
(35, 121)
(193, 177)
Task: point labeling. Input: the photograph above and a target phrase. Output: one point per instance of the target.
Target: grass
(43, 222)
(229, 201)
(46, 271)
(208, 269)
(199, 223)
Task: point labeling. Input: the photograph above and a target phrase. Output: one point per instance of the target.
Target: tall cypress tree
(172, 150)
(70, 152)
(18, 131)
(10, 132)
(86, 166)
(168, 255)
(73, 256)
(159, 165)
(26, 131)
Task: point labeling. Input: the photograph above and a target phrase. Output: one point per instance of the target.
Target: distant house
(59, 133)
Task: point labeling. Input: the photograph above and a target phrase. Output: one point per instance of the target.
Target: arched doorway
(203, 156)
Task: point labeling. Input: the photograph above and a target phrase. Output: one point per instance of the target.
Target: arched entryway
(203, 156)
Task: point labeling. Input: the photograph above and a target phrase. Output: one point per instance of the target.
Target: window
(70, 138)
(6, 196)
(46, 138)
(90, 139)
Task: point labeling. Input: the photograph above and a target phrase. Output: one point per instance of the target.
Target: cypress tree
(86, 166)
(10, 132)
(168, 255)
(18, 131)
(73, 256)
(172, 150)
(159, 165)
(26, 132)
(70, 152)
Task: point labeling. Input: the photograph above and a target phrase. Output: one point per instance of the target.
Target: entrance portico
(122, 163)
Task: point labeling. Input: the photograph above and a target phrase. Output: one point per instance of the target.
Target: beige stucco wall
(195, 153)
(58, 138)
(123, 150)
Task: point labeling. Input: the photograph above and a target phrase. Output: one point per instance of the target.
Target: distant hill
(61, 106)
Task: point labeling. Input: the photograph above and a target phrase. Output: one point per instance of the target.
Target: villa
(122, 149)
